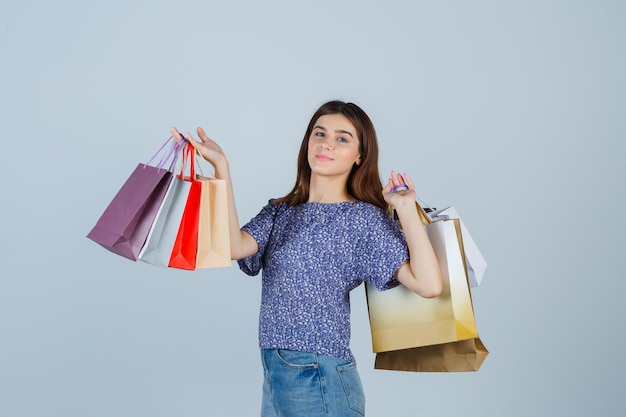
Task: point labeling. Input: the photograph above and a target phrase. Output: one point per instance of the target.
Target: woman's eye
(343, 140)
(319, 134)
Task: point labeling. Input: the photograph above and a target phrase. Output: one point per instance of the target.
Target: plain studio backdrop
(512, 112)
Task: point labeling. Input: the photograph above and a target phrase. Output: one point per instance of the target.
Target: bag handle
(173, 154)
(188, 161)
(201, 161)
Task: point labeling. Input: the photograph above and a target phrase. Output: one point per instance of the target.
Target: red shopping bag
(185, 250)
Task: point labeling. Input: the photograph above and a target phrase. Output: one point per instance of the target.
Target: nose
(327, 144)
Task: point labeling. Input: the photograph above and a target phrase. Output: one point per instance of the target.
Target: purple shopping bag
(125, 223)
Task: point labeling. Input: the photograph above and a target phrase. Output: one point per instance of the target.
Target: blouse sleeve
(382, 251)
(260, 228)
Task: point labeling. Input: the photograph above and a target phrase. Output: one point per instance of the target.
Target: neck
(328, 190)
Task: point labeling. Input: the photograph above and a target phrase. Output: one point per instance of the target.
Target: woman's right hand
(206, 147)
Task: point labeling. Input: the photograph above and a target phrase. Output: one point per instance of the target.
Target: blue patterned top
(312, 256)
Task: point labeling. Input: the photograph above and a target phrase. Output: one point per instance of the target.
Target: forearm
(423, 275)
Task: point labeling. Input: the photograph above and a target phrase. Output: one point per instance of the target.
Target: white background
(512, 111)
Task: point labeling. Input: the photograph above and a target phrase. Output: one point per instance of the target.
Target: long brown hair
(364, 179)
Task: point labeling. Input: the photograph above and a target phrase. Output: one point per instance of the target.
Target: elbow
(242, 245)
(431, 292)
(235, 255)
(428, 284)
(433, 289)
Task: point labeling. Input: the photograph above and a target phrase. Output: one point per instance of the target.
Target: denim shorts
(300, 384)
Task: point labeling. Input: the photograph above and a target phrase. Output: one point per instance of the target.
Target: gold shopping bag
(410, 333)
(463, 355)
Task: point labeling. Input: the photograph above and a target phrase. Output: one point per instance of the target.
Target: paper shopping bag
(401, 319)
(126, 222)
(203, 239)
(461, 356)
(213, 235)
(157, 250)
(185, 248)
(412, 333)
(164, 232)
(476, 263)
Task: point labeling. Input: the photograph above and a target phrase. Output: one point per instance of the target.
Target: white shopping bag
(476, 263)
(158, 247)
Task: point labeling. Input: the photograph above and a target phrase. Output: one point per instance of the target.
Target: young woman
(316, 244)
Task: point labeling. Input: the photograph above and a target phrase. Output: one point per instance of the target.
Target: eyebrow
(336, 131)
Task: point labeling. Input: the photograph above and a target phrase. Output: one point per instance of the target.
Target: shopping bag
(401, 319)
(213, 234)
(161, 238)
(460, 356)
(191, 227)
(403, 322)
(185, 248)
(125, 223)
(157, 250)
(476, 263)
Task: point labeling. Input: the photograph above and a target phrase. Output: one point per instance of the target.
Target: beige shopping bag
(213, 236)
(403, 322)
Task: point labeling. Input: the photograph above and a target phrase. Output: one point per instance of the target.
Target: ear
(358, 160)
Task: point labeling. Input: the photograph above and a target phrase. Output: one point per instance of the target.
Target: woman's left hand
(421, 274)
(397, 198)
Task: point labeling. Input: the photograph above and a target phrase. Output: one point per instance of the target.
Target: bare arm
(421, 274)
(242, 244)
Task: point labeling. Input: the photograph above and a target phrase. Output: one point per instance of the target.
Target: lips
(323, 158)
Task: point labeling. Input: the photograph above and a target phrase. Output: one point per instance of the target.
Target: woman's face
(333, 146)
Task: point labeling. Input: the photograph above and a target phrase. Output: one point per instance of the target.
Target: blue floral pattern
(312, 255)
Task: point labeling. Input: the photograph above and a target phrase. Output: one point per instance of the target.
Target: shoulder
(368, 211)
(368, 218)
(273, 206)
(276, 207)
(375, 221)
(266, 215)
